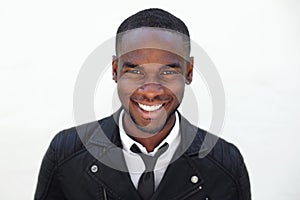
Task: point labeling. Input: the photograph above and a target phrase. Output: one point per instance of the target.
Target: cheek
(179, 93)
(125, 89)
(176, 90)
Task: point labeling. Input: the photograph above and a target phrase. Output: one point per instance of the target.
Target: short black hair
(154, 17)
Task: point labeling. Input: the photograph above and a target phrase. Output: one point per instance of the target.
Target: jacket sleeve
(243, 178)
(244, 183)
(48, 186)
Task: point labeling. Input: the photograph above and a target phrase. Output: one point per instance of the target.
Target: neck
(149, 140)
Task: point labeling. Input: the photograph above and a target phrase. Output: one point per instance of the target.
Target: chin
(150, 129)
(153, 126)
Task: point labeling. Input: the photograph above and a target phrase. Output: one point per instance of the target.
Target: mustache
(155, 98)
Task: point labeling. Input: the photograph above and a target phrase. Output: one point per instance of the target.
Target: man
(146, 150)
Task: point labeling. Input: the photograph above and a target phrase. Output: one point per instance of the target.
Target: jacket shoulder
(227, 155)
(219, 151)
(71, 142)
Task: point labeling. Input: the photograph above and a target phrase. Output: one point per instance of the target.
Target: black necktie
(146, 182)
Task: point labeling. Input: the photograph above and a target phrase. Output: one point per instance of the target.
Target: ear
(115, 68)
(189, 71)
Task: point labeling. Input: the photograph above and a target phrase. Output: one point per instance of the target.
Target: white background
(255, 46)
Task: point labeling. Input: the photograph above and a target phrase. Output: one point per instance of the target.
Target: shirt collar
(172, 138)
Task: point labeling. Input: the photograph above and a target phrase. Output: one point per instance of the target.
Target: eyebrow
(174, 65)
(129, 64)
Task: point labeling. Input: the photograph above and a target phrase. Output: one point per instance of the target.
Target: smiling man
(151, 71)
(146, 150)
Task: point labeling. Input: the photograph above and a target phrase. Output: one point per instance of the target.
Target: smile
(150, 108)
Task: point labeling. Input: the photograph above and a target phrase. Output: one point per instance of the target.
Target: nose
(151, 90)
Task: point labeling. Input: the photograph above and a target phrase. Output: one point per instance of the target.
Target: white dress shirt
(135, 163)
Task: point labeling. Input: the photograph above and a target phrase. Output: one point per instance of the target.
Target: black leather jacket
(71, 169)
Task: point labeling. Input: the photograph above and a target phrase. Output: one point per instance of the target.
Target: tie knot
(148, 160)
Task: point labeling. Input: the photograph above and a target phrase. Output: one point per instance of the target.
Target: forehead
(164, 40)
(151, 56)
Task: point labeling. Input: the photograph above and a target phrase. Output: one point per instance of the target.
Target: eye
(135, 71)
(169, 72)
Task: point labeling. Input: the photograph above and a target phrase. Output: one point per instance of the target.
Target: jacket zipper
(191, 193)
(104, 194)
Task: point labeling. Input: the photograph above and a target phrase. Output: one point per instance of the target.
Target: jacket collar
(106, 135)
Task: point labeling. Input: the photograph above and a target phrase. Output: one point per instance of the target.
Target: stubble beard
(147, 129)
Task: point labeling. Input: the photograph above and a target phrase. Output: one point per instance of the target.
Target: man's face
(152, 70)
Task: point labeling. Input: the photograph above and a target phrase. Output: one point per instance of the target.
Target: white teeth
(150, 108)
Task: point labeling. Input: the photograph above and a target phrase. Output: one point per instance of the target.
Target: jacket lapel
(116, 182)
(180, 180)
(105, 145)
